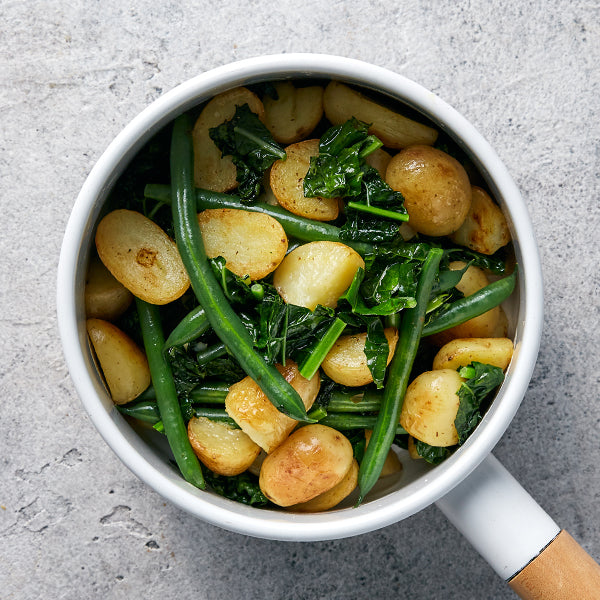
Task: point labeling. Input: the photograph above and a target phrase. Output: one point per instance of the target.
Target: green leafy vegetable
(432, 454)
(376, 350)
(482, 380)
(251, 147)
(242, 488)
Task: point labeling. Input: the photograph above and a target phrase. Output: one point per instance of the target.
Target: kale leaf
(434, 455)
(376, 350)
(482, 380)
(242, 488)
(251, 147)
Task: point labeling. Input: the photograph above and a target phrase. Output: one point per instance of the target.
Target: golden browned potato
(141, 256)
(287, 183)
(211, 170)
(392, 464)
(462, 352)
(224, 449)
(105, 297)
(309, 462)
(393, 129)
(379, 160)
(248, 406)
(331, 497)
(123, 364)
(346, 362)
(485, 229)
(435, 186)
(483, 326)
(430, 406)
(317, 273)
(295, 113)
(252, 243)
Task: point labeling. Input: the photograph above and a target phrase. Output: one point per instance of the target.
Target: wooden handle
(562, 571)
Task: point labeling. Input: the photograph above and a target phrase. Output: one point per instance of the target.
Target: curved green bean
(222, 317)
(411, 327)
(192, 326)
(166, 394)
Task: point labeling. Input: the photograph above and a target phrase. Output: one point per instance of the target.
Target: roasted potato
(309, 462)
(331, 497)
(430, 407)
(105, 297)
(252, 243)
(435, 186)
(317, 273)
(141, 256)
(346, 362)
(287, 183)
(224, 449)
(248, 406)
(379, 160)
(483, 326)
(295, 113)
(342, 102)
(485, 229)
(211, 170)
(124, 365)
(462, 352)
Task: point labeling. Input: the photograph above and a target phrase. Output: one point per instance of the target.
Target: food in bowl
(314, 285)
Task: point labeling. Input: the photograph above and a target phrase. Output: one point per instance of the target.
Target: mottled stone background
(74, 522)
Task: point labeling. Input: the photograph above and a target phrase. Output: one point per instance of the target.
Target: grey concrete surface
(74, 522)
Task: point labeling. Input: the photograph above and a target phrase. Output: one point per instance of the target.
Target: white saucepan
(519, 540)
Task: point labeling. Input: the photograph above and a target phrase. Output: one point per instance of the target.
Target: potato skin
(105, 297)
(462, 352)
(331, 497)
(124, 365)
(248, 406)
(483, 326)
(295, 113)
(317, 273)
(430, 407)
(141, 256)
(287, 183)
(342, 102)
(435, 186)
(222, 448)
(309, 462)
(346, 362)
(485, 229)
(253, 244)
(211, 170)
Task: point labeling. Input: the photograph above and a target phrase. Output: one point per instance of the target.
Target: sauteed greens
(317, 294)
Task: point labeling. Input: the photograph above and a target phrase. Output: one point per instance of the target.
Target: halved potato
(430, 407)
(252, 243)
(105, 297)
(248, 406)
(211, 170)
(295, 113)
(141, 256)
(124, 365)
(309, 462)
(462, 352)
(287, 183)
(485, 229)
(483, 326)
(393, 129)
(331, 497)
(317, 273)
(224, 449)
(346, 362)
(435, 186)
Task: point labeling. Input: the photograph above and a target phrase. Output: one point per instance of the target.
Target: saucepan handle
(518, 538)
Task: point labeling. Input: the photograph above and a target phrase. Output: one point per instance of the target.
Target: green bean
(353, 401)
(144, 410)
(206, 393)
(215, 414)
(343, 421)
(212, 352)
(313, 361)
(166, 394)
(192, 326)
(223, 319)
(301, 228)
(474, 305)
(399, 370)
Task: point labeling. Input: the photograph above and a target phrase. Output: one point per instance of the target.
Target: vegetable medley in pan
(295, 279)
